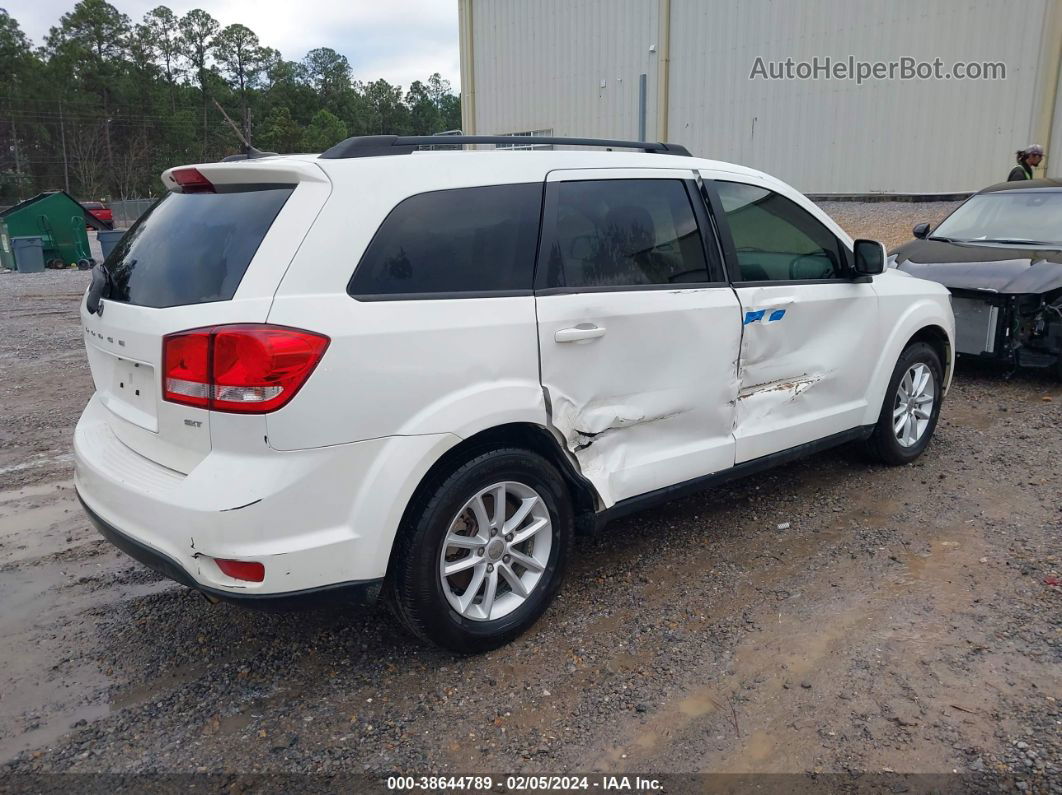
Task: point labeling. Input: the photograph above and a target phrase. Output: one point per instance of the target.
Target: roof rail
(378, 145)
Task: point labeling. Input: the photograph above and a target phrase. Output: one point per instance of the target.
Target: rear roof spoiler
(380, 145)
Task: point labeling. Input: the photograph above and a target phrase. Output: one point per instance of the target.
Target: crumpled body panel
(651, 402)
(968, 266)
(1007, 277)
(758, 402)
(806, 354)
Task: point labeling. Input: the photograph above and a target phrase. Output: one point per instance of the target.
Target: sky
(398, 40)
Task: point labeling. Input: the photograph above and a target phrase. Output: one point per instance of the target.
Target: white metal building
(576, 67)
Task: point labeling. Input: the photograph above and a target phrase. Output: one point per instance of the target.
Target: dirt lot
(827, 617)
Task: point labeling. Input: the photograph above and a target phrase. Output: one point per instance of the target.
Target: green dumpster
(55, 217)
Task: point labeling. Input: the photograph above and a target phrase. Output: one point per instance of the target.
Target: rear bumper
(316, 519)
(362, 592)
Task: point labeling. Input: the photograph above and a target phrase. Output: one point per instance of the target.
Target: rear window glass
(466, 240)
(192, 248)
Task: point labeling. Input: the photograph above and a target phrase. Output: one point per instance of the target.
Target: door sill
(674, 492)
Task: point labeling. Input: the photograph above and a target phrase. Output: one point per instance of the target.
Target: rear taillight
(247, 369)
(186, 368)
(191, 180)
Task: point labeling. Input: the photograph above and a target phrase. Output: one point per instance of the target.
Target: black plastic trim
(674, 492)
(382, 145)
(631, 288)
(713, 249)
(451, 296)
(858, 279)
(242, 187)
(360, 592)
(722, 228)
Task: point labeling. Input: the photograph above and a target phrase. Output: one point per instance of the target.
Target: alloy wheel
(913, 407)
(495, 551)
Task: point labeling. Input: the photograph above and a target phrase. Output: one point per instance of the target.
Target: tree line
(106, 104)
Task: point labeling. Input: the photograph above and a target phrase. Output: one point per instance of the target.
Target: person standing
(1028, 159)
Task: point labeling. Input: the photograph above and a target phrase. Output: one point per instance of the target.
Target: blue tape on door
(777, 314)
(752, 317)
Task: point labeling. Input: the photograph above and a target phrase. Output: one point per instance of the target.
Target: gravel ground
(829, 617)
(889, 222)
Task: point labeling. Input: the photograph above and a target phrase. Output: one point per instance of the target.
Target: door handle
(580, 333)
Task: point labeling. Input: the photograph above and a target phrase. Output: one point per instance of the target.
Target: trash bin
(29, 254)
(7, 256)
(108, 240)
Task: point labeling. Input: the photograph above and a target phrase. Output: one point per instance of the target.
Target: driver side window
(776, 239)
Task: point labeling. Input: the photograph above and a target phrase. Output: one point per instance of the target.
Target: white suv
(422, 371)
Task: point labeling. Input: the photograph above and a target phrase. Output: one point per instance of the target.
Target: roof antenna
(249, 152)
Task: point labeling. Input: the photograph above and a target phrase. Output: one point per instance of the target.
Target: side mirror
(869, 257)
(921, 231)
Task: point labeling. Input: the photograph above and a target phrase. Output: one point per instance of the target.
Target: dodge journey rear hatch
(205, 259)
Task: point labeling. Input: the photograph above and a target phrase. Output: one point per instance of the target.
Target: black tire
(883, 445)
(415, 587)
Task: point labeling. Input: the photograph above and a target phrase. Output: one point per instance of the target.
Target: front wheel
(483, 554)
(911, 407)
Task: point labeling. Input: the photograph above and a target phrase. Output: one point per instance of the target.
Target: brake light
(186, 364)
(246, 369)
(248, 570)
(191, 180)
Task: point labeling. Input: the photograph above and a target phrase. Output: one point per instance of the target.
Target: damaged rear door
(810, 328)
(638, 329)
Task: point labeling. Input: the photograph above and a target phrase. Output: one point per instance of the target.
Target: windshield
(1015, 217)
(191, 248)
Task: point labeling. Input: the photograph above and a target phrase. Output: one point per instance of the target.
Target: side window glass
(776, 239)
(622, 233)
(454, 241)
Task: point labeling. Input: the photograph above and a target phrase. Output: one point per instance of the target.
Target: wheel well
(527, 436)
(530, 437)
(938, 339)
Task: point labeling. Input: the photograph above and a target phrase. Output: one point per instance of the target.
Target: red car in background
(101, 212)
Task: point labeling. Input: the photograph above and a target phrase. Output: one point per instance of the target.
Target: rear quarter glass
(462, 240)
(192, 248)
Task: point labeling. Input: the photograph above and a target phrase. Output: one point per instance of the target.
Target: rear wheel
(911, 407)
(483, 554)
